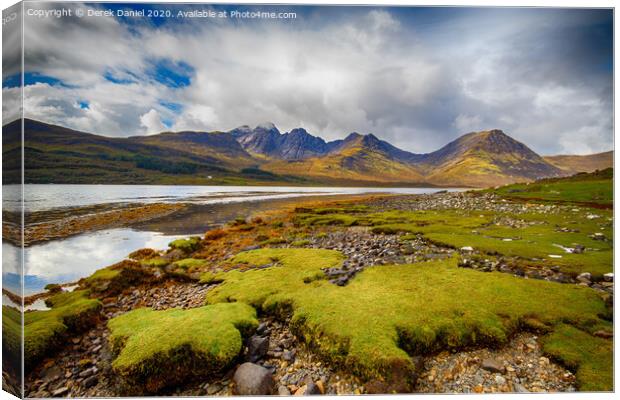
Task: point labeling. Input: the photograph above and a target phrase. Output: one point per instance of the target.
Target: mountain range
(264, 155)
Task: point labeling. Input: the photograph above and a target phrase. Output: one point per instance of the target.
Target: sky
(417, 77)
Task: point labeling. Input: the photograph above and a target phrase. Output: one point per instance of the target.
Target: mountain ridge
(264, 154)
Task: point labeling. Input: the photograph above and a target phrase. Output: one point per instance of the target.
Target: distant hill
(588, 163)
(54, 154)
(264, 156)
(486, 158)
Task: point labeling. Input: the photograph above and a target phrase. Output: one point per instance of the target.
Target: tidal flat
(447, 292)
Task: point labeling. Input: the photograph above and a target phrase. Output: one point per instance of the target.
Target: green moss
(160, 348)
(187, 245)
(371, 324)
(329, 219)
(115, 278)
(44, 330)
(157, 262)
(300, 243)
(190, 263)
(103, 274)
(591, 357)
(53, 287)
(273, 241)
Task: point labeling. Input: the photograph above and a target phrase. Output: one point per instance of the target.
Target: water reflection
(70, 259)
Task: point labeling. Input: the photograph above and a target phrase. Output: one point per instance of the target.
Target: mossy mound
(591, 357)
(157, 349)
(112, 280)
(187, 245)
(70, 312)
(373, 325)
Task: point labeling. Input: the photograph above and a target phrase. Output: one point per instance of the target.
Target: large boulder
(252, 379)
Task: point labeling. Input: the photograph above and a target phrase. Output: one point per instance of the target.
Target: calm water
(67, 260)
(45, 197)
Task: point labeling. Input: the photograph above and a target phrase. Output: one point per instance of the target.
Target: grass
(44, 330)
(12, 335)
(593, 189)
(160, 348)
(591, 357)
(459, 228)
(386, 313)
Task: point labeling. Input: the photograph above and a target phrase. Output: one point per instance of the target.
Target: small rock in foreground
(252, 379)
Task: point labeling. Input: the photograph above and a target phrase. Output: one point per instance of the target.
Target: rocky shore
(275, 361)
(62, 224)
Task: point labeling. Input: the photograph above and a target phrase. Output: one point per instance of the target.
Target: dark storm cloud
(417, 77)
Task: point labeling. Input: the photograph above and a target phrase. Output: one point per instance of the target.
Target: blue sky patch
(85, 105)
(174, 107)
(119, 80)
(31, 78)
(170, 73)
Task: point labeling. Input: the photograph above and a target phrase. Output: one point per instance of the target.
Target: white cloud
(152, 122)
(468, 123)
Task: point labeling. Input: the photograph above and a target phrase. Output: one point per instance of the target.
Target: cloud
(415, 77)
(152, 122)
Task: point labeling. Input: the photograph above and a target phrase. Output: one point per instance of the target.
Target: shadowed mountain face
(266, 140)
(54, 154)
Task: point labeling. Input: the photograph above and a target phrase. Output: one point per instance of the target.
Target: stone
(519, 388)
(321, 386)
(312, 389)
(90, 381)
(51, 374)
(262, 328)
(252, 380)
(213, 388)
(288, 356)
(500, 380)
(257, 347)
(585, 277)
(283, 391)
(60, 391)
(604, 334)
(467, 248)
(579, 249)
(609, 277)
(492, 365)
